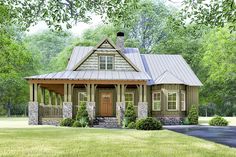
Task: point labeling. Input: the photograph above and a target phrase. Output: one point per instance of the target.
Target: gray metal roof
(169, 69)
(93, 75)
(155, 68)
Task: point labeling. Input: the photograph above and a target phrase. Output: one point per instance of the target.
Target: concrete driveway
(222, 135)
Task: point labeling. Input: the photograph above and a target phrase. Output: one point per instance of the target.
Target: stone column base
(67, 109)
(33, 110)
(142, 110)
(90, 106)
(120, 112)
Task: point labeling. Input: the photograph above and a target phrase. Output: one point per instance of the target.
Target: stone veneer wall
(50, 121)
(171, 120)
(120, 112)
(67, 109)
(142, 110)
(33, 110)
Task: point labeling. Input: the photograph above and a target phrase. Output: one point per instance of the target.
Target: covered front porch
(52, 100)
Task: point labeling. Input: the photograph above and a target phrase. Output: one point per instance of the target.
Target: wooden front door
(106, 104)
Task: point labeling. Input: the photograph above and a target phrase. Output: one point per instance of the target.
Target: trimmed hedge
(148, 124)
(67, 122)
(218, 121)
(132, 125)
(193, 115)
(130, 115)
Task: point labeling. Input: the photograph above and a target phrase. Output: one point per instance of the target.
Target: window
(82, 98)
(156, 101)
(129, 98)
(106, 62)
(172, 101)
(182, 101)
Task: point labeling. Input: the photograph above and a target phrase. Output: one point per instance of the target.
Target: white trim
(132, 97)
(176, 102)
(106, 61)
(184, 93)
(156, 92)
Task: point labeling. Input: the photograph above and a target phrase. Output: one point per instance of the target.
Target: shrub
(83, 122)
(148, 124)
(76, 124)
(125, 122)
(82, 113)
(193, 115)
(218, 121)
(132, 125)
(130, 114)
(186, 121)
(67, 122)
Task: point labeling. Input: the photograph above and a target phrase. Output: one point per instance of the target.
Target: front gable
(105, 48)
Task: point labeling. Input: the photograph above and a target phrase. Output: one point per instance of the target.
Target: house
(107, 77)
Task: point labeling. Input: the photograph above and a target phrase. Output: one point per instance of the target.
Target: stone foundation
(90, 106)
(142, 110)
(67, 109)
(50, 121)
(120, 112)
(171, 120)
(33, 109)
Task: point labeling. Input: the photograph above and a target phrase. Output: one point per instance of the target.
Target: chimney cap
(121, 34)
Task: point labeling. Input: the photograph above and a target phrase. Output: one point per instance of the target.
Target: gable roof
(80, 62)
(169, 69)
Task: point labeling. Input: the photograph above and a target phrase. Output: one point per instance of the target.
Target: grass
(89, 142)
(205, 120)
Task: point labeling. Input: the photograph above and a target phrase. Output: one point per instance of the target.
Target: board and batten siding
(190, 98)
(92, 62)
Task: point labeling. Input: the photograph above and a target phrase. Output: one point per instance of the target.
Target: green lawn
(56, 141)
(205, 120)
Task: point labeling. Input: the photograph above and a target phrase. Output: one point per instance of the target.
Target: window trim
(153, 100)
(176, 102)
(183, 92)
(106, 55)
(79, 97)
(132, 97)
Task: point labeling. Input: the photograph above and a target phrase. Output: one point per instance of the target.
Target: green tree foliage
(55, 13)
(218, 65)
(16, 62)
(218, 121)
(47, 45)
(148, 29)
(213, 13)
(193, 115)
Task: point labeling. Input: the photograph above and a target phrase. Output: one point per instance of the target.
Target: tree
(211, 13)
(47, 45)
(219, 63)
(148, 29)
(55, 13)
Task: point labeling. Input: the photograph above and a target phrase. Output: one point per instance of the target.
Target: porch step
(105, 122)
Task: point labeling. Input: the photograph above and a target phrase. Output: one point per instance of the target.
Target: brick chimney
(120, 41)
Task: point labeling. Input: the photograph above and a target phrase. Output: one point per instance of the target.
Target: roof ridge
(167, 71)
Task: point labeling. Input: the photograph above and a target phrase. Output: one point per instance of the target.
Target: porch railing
(50, 111)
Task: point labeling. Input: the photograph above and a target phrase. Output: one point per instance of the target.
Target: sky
(80, 27)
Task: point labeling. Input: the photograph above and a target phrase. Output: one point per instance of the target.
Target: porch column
(120, 104)
(67, 104)
(56, 99)
(50, 98)
(33, 107)
(90, 105)
(42, 96)
(142, 104)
